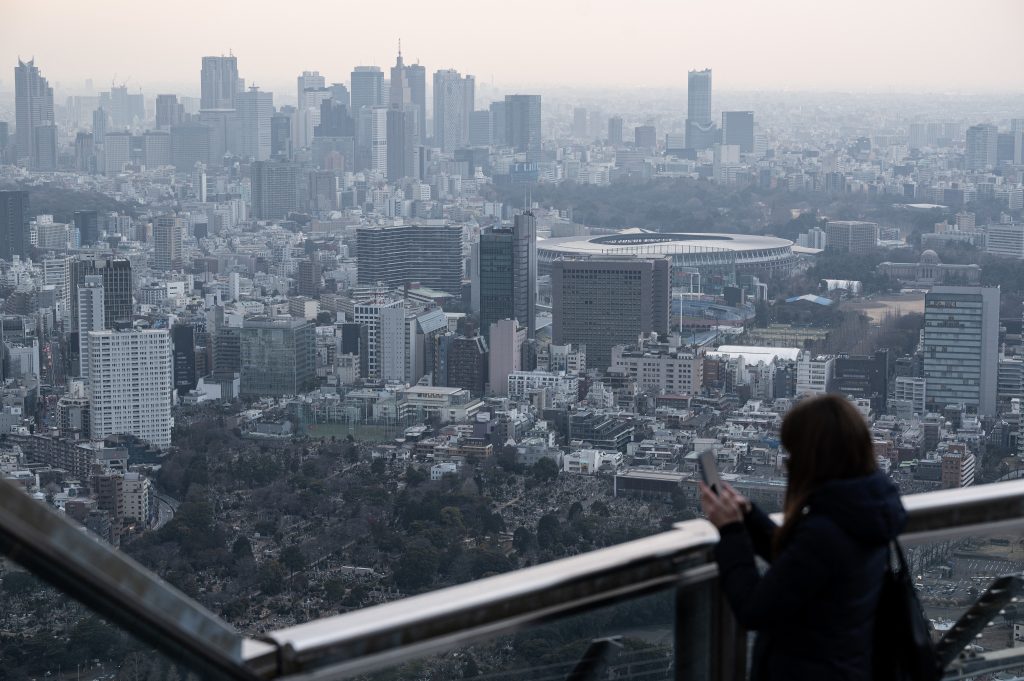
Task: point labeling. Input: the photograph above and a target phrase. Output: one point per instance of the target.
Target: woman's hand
(724, 508)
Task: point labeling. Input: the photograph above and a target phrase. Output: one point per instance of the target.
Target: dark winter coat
(814, 609)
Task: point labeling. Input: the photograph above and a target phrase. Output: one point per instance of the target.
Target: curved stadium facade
(718, 258)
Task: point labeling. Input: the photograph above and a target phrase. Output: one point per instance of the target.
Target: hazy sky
(902, 45)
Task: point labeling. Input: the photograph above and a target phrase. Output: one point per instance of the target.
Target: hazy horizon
(791, 45)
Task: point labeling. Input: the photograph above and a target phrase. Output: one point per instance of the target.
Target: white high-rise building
(453, 104)
(117, 152)
(255, 109)
(90, 316)
(379, 139)
(131, 384)
(309, 80)
(814, 374)
(384, 319)
(505, 339)
(168, 243)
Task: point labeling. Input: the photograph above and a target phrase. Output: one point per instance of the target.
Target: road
(165, 508)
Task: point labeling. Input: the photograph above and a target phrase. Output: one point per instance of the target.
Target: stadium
(718, 259)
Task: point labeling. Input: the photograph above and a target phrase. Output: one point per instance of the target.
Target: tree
(241, 549)
(544, 470)
(418, 565)
(271, 578)
(523, 540)
(414, 477)
(549, 531)
(292, 558)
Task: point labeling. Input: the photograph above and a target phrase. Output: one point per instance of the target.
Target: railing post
(709, 644)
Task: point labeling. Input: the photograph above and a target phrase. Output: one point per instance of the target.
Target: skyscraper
(14, 234)
(416, 76)
(615, 131)
(255, 109)
(309, 81)
(645, 137)
(88, 224)
(700, 129)
(90, 317)
(400, 94)
(506, 274)
(275, 189)
(168, 111)
(117, 287)
(278, 357)
(117, 152)
(961, 348)
(454, 95)
(184, 360)
(281, 136)
(379, 139)
(498, 118)
(44, 147)
(100, 124)
(522, 124)
(429, 253)
(481, 132)
(367, 87)
(33, 103)
(982, 145)
(402, 140)
(168, 243)
(219, 83)
(738, 129)
(603, 301)
(130, 383)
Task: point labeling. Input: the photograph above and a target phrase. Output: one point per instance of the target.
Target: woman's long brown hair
(827, 439)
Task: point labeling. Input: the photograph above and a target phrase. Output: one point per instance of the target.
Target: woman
(814, 609)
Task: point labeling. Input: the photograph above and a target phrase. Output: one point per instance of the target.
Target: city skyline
(791, 56)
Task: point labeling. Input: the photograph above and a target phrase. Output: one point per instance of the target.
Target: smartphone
(709, 470)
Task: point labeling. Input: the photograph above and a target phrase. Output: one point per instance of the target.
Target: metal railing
(708, 645)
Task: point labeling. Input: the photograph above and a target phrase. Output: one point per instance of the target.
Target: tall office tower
(429, 253)
(645, 137)
(168, 111)
(1017, 130)
(379, 139)
(90, 317)
(308, 278)
(308, 81)
(255, 109)
(461, 362)
(738, 129)
(498, 118)
(367, 87)
(340, 94)
(700, 129)
(219, 83)
(961, 348)
(416, 77)
(505, 274)
(5, 132)
(335, 120)
(117, 152)
(130, 384)
(117, 287)
(505, 338)
(481, 132)
(851, 236)
(190, 144)
(307, 117)
(183, 345)
(615, 131)
(44, 147)
(400, 92)
(33, 104)
(579, 123)
(87, 222)
(278, 357)
(281, 136)
(522, 125)
(982, 142)
(100, 124)
(168, 243)
(274, 189)
(402, 140)
(156, 148)
(85, 152)
(453, 102)
(603, 301)
(14, 230)
(384, 320)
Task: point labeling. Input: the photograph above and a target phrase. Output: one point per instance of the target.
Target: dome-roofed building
(930, 271)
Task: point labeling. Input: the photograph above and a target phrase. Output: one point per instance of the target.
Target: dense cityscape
(302, 353)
